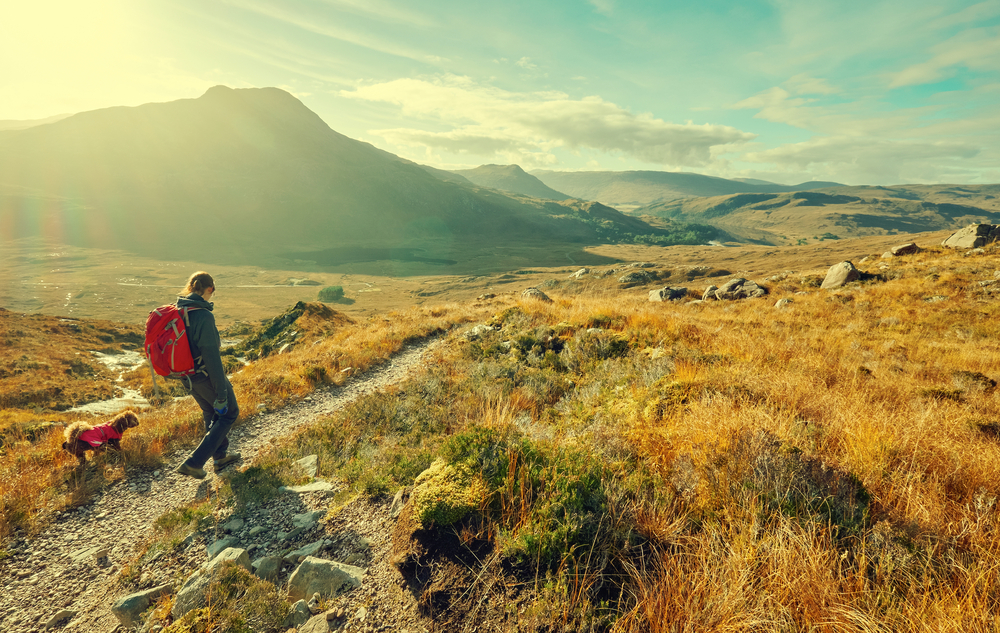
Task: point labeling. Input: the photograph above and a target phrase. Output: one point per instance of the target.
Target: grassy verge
(731, 466)
(38, 478)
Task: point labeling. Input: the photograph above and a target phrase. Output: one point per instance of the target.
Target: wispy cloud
(973, 49)
(491, 119)
(327, 26)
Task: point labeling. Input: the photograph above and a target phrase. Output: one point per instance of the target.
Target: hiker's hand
(221, 406)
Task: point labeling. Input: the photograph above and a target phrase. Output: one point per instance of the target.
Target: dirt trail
(57, 570)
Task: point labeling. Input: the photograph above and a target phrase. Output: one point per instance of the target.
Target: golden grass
(39, 478)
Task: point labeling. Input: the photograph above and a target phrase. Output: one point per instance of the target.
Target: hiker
(209, 385)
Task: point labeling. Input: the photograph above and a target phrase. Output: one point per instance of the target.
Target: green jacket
(205, 343)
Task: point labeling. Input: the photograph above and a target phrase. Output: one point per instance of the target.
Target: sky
(857, 92)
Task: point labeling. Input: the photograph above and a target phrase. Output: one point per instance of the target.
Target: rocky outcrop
(973, 236)
(635, 278)
(737, 288)
(192, 593)
(536, 294)
(667, 294)
(910, 248)
(129, 609)
(840, 274)
(325, 577)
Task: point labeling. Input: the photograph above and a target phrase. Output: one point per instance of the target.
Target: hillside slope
(839, 211)
(629, 189)
(510, 178)
(243, 176)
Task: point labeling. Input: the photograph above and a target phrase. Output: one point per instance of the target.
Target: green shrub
(331, 294)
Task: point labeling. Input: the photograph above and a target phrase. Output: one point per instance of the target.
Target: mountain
(22, 125)
(251, 175)
(838, 211)
(510, 178)
(629, 189)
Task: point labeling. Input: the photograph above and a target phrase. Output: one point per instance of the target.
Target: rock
(316, 486)
(739, 288)
(316, 624)
(260, 529)
(840, 274)
(298, 614)
(668, 294)
(635, 278)
(325, 577)
(287, 347)
(909, 248)
(783, 303)
(288, 536)
(580, 273)
(65, 614)
(81, 555)
(220, 545)
(887, 255)
(310, 464)
(129, 609)
(709, 294)
(398, 501)
(234, 525)
(267, 567)
(536, 294)
(307, 550)
(307, 520)
(192, 593)
(314, 604)
(973, 236)
(478, 332)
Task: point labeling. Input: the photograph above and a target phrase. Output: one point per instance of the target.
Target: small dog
(82, 437)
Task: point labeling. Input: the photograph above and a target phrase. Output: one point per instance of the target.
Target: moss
(445, 494)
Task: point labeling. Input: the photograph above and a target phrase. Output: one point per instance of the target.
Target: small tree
(331, 293)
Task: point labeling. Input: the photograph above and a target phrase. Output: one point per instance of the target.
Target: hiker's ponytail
(199, 282)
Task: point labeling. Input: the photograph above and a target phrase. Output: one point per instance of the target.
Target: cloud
(526, 63)
(974, 49)
(803, 84)
(603, 6)
(862, 160)
(539, 122)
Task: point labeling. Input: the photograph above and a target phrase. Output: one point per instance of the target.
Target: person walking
(209, 385)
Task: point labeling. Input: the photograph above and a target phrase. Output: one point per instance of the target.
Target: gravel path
(58, 569)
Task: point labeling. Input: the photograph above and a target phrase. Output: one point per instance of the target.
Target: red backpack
(167, 346)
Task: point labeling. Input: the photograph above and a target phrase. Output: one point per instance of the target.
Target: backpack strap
(197, 361)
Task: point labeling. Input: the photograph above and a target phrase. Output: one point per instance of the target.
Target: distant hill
(630, 189)
(510, 178)
(252, 175)
(23, 125)
(838, 211)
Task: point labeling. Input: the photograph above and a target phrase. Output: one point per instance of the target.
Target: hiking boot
(191, 471)
(222, 462)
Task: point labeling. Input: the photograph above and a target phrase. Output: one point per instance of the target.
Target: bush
(331, 293)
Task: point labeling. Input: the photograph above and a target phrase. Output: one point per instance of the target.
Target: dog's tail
(73, 431)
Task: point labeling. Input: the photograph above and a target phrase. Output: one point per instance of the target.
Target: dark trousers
(216, 440)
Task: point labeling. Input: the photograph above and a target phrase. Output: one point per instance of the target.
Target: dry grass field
(829, 465)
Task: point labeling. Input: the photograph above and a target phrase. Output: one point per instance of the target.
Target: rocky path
(62, 571)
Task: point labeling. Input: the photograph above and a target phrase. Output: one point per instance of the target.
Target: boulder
(306, 550)
(783, 303)
(325, 577)
(580, 273)
(63, 614)
(635, 278)
(310, 464)
(840, 274)
(316, 624)
(667, 294)
(316, 486)
(709, 294)
(129, 609)
(298, 614)
(307, 520)
(536, 294)
(192, 593)
(905, 249)
(443, 495)
(267, 567)
(220, 545)
(739, 288)
(973, 236)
